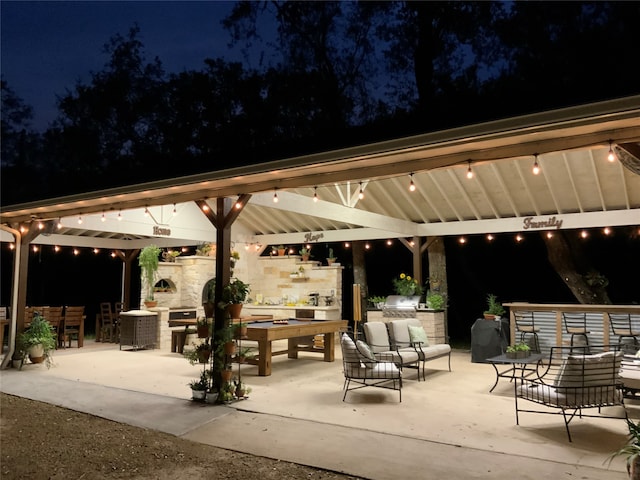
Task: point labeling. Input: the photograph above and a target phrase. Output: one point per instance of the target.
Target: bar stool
(526, 325)
(621, 326)
(575, 323)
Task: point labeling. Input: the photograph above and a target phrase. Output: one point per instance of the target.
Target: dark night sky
(48, 46)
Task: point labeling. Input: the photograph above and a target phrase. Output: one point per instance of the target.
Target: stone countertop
(290, 307)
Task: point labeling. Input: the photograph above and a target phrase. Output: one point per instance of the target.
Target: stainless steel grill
(398, 306)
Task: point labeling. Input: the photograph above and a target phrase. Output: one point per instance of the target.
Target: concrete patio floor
(447, 427)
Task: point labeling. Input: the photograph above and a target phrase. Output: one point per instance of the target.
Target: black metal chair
(526, 325)
(621, 326)
(575, 323)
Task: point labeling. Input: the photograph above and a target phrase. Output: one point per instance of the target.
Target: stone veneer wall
(272, 280)
(268, 276)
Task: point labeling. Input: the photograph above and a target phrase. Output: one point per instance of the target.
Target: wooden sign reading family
(552, 222)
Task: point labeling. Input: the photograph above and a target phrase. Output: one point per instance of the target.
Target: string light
(389, 242)
(549, 234)
(462, 240)
(205, 205)
(119, 216)
(113, 254)
(12, 246)
(519, 238)
(412, 186)
(79, 220)
(76, 251)
(315, 194)
(611, 156)
(606, 231)
(96, 251)
(347, 244)
(275, 196)
(536, 167)
(59, 224)
(146, 212)
(22, 229)
(238, 204)
(490, 237)
(175, 212)
(40, 226)
(56, 248)
(469, 171)
(584, 234)
(103, 218)
(367, 246)
(35, 248)
(360, 192)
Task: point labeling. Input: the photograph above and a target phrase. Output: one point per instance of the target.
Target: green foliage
(235, 292)
(201, 384)
(331, 256)
(632, 448)
(377, 299)
(39, 332)
(148, 260)
(493, 306)
(436, 300)
(406, 286)
(518, 347)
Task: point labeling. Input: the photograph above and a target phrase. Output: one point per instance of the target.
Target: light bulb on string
(79, 220)
(412, 186)
(119, 216)
(536, 167)
(315, 194)
(103, 218)
(469, 171)
(146, 212)
(360, 192)
(275, 196)
(175, 212)
(59, 224)
(611, 156)
(238, 204)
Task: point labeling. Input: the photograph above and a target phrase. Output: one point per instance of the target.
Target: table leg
(292, 348)
(98, 328)
(497, 377)
(264, 358)
(81, 334)
(329, 347)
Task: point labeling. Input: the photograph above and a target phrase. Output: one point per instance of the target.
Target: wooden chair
(56, 319)
(107, 323)
(74, 325)
(572, 381)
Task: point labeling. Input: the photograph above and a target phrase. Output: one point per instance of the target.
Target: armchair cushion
(418, 335)
(589, 370)
(365, 354)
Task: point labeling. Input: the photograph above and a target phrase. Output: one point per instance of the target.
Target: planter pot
(240, 393)
(198, 395)
(150, 303)
(241, 332)
(203, 331)
(282, 252)
(330, 261)
(489, 316)
(211, 397)
(234, 310)
(203, 356)
(226, 375)
(36, 354)
(305, 258)
(229, 348)
(517, 354)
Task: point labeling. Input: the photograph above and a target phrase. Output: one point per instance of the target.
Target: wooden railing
(558, 309)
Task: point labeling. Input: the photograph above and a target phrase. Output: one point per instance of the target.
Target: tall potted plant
(233, 296)
(148, 261)
(38, 340)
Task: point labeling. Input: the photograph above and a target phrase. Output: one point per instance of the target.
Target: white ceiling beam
(292, 202)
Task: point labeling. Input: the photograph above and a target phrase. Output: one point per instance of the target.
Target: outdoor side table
(523, 367)
(138, 329)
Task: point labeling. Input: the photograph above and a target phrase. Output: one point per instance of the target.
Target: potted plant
(377, 301)
(632, 451)
(305, 254)
(281, 250)
(208, 297)
(203, 327)
(244, 353)
(519, 350)
(240, 330)
(233, 296)
(200, 353)
(494, 308)
(241, 390)
(331, 258)
(38, 340)
(406, 286)
(227, 392)
(203, 249)
(170, 255)
(148, 261)
(435, 300)
(199, 387)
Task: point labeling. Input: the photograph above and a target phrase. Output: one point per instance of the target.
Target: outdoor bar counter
(551, 323)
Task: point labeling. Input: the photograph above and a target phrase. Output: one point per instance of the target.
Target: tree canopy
(329, 75)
